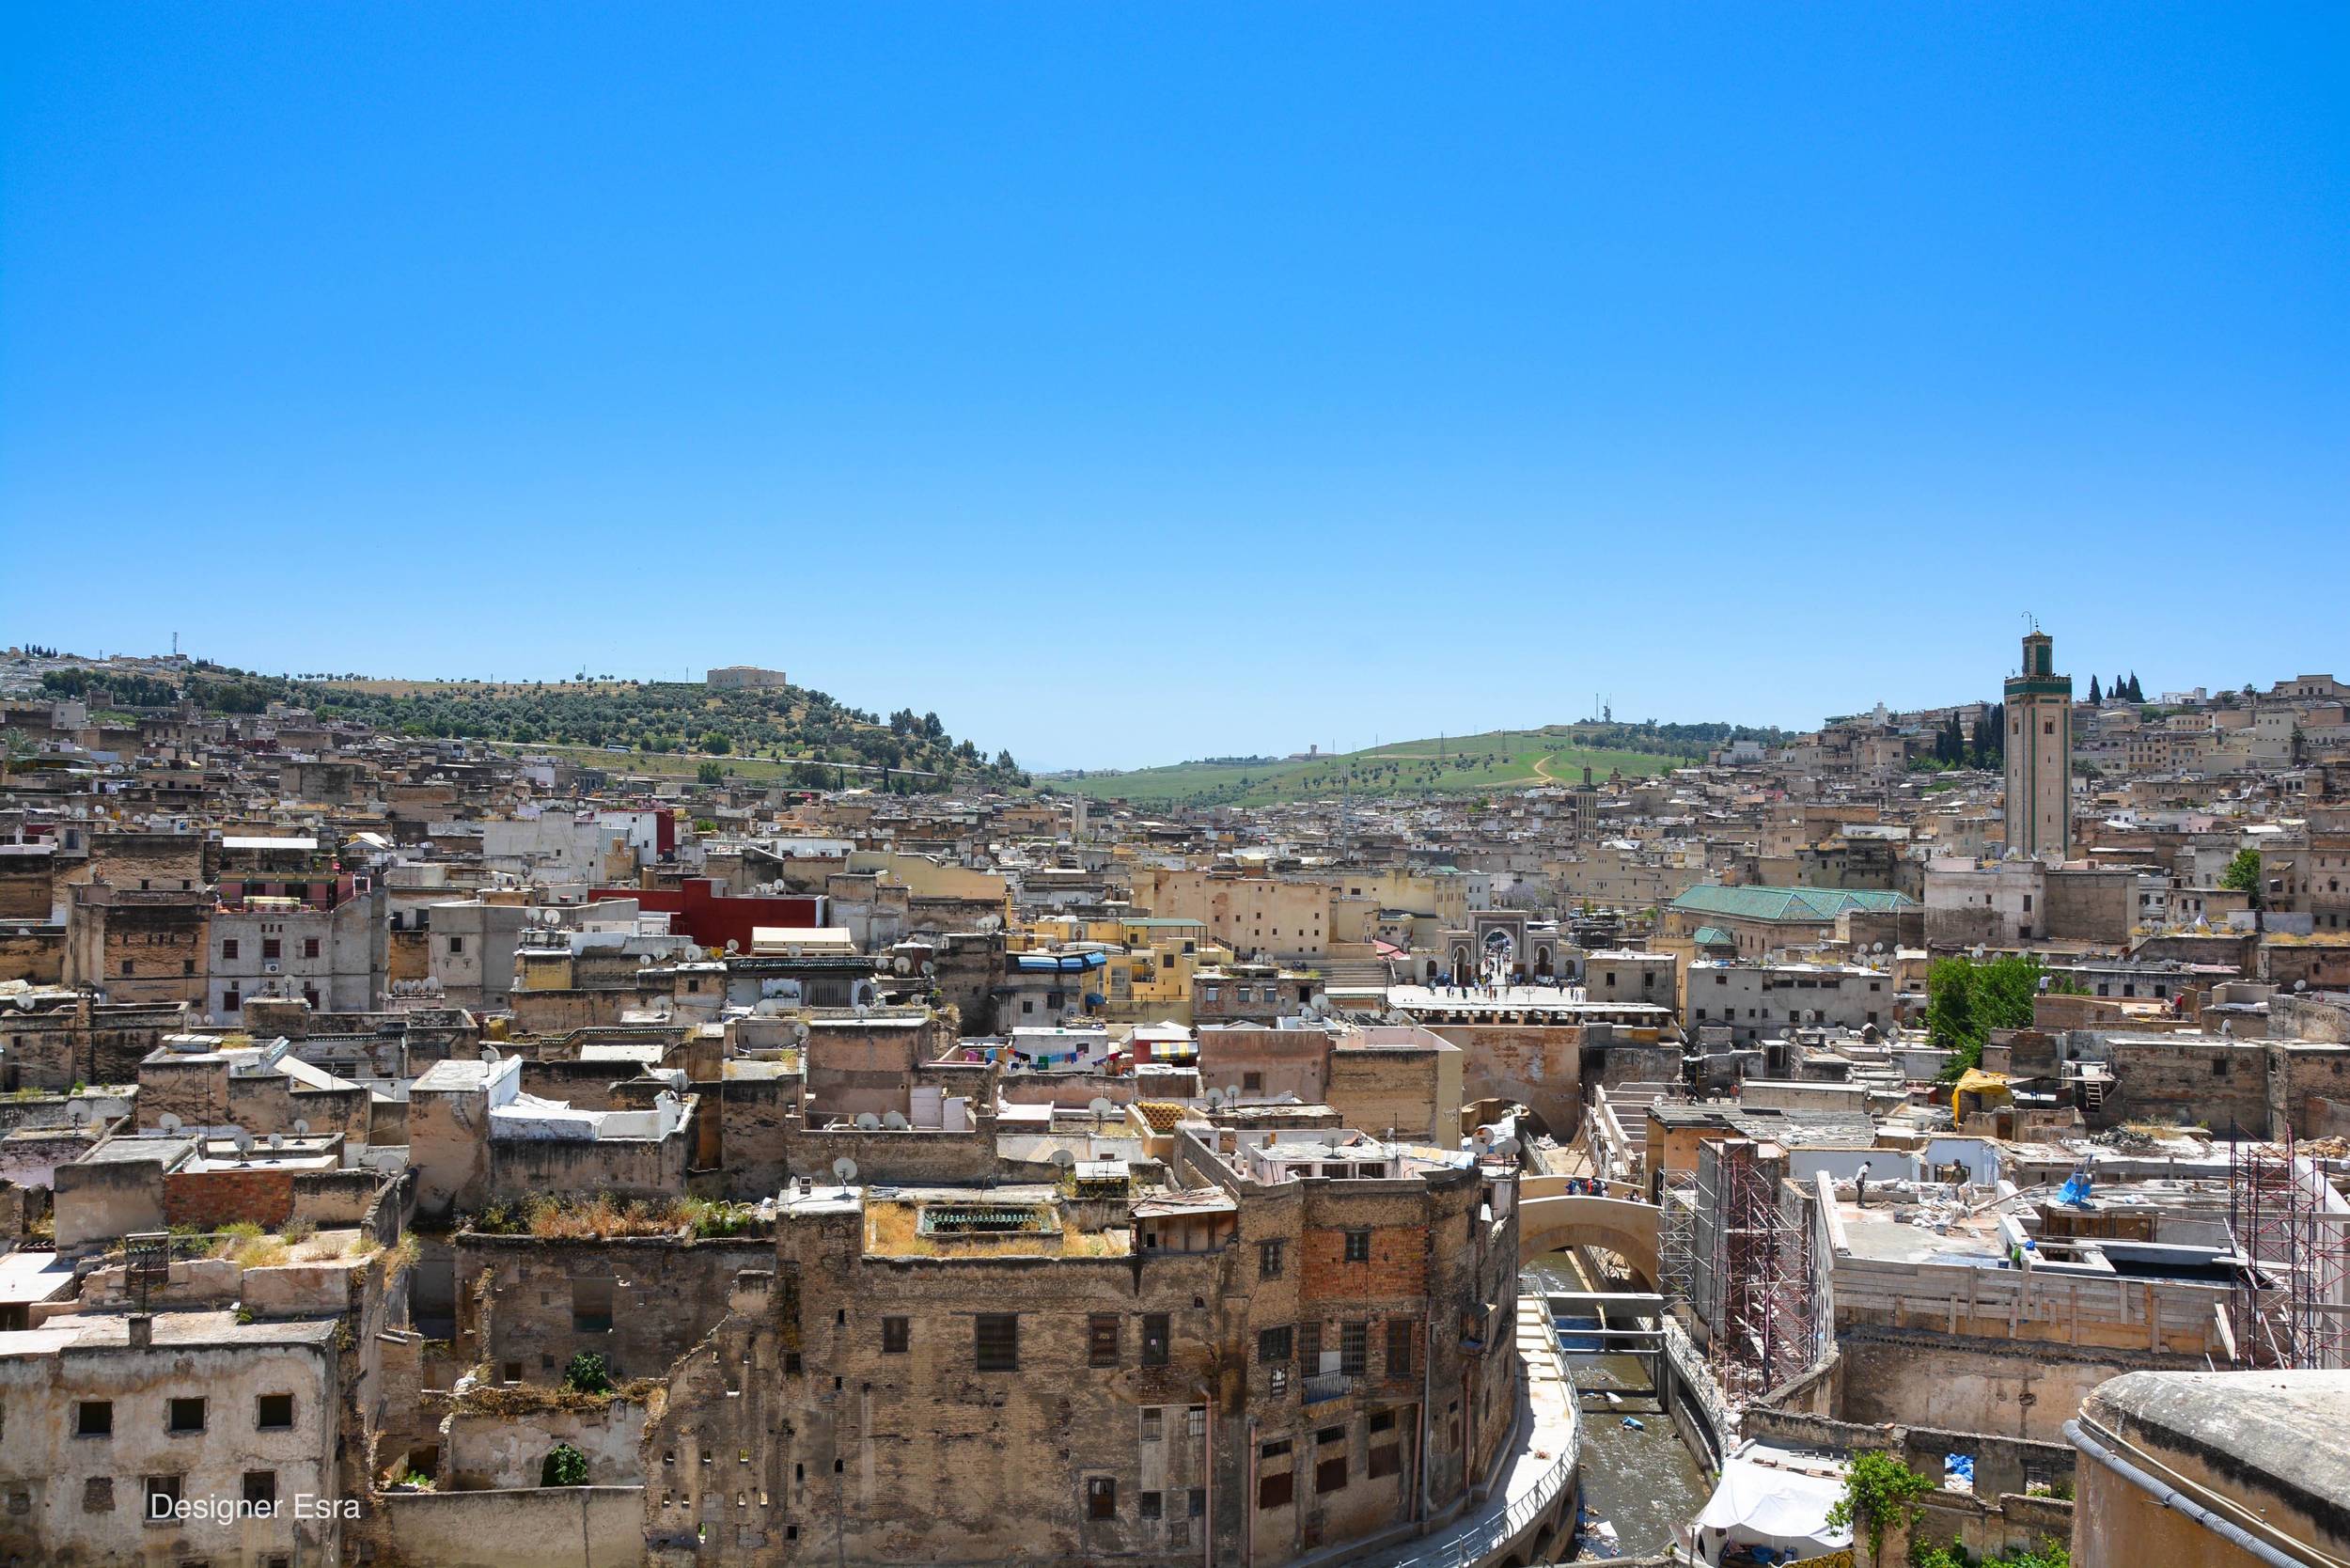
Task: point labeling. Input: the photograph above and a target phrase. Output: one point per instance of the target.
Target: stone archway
(1550, 1219)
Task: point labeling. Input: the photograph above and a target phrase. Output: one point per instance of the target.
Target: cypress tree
(2093, 698)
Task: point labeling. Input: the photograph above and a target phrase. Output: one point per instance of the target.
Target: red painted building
(701, 910)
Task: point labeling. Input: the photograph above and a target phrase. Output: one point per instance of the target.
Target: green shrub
(588, 1374)
(564, 1467)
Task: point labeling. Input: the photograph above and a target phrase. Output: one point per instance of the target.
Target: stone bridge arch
(1551, 1219)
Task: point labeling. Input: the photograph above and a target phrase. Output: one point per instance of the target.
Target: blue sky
(1134, 383)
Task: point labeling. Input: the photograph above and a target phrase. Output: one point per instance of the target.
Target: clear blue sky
(1134, 383)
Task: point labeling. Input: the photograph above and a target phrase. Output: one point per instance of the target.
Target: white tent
(1775, 1498)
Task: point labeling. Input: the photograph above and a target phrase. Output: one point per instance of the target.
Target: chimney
(142, 1331)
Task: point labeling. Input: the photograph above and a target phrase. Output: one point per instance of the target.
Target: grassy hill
(794, 733)
(1501, 760)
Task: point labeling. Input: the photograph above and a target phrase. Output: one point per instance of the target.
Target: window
(1101, 1498)
(1310, 1346)
(187, 1415)
(1102, 1339)
(1269, 1259)
(996, 1341)
(97, 1494)
(1386, 1459)
(1330, 1474)
(163, 1496)
(1197, 1504)
(126, 967)
(1358, 1247)
(309, 946)
(273, 1412)
(1153, 1423)
(591, 1306)
(271, 946)
(230, 1001)
(896, 1334)
(94, 1417)
(1146, 1504)
(1252, 1083)
(456, 944)
(1155, 1333)
(1401, 1333)
(261, 1486)
(1273, 1346)
(1275, 1491)
(1354, 1348)
(1196, 1422)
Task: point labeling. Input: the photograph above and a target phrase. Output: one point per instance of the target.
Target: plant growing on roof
(1880, 1492)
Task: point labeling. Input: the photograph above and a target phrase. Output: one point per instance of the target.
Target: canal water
(1642, 1482)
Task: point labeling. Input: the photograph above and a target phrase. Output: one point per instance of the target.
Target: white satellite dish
(1064, 1159)
(902, 965)
(844, 1171)
(929, 967)
(1507, 1147)
(242, 1140)
(867, 1121)
(277, 1140)
(1101, 1106)
(732, 946)
(78, 1113)
(1231, 1091)
(1216, 1097)
(799, 1029)
(895, 1121)
(167, 1121)
(1320, 1002)
(301, 1127)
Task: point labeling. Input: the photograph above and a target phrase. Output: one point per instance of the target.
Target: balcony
(1325, 1386)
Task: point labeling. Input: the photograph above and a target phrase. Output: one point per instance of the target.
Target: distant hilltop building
(2040, 755)
(746, 677)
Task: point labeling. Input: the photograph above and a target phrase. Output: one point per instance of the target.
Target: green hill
(1501, 760)
(794, 733)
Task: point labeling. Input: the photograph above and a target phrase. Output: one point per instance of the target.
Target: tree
(589, 1372)
(2093, 698)
(2137, 693)
(716, 743)
(1965, 1001)
(564, 1467)
(1880, 1493)
(2242, 875)
(710, 774)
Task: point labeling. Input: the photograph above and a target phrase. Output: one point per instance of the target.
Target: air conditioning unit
(269, 968)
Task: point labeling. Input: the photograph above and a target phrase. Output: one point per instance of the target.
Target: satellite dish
(168, 1121)
(489, 1053)
(1231, 1091)
(301, 1127)
(277, 1140)
(844, 1171)
(929, 967)
(1507, 1147)
(1321, 1001)
(732, 946)
(78, 1113)
(902, 965)
(1101, 1106)
(242, 1140)
(799, 1031)
(894, 1121)
(1216, 1097)
(1064, 1159)
(868, 1122)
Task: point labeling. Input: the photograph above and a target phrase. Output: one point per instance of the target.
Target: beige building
(2040, 755)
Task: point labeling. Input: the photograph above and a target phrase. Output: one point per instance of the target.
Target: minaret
(2040, 755)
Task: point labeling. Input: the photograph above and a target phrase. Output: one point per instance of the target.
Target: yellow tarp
(1991, 1086)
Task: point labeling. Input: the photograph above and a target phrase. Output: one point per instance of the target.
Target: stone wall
(554, 1527)
(485, 1450)
(660, 1296)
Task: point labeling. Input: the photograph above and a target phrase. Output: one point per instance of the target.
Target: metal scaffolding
(1676, 1242)
(2292, 1297)
(1764, 1332)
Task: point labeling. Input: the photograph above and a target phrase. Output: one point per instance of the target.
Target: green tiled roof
(1713, 936)
(1807, 905)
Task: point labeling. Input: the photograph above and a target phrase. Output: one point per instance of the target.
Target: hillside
(792, 732)
(1500, 760)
